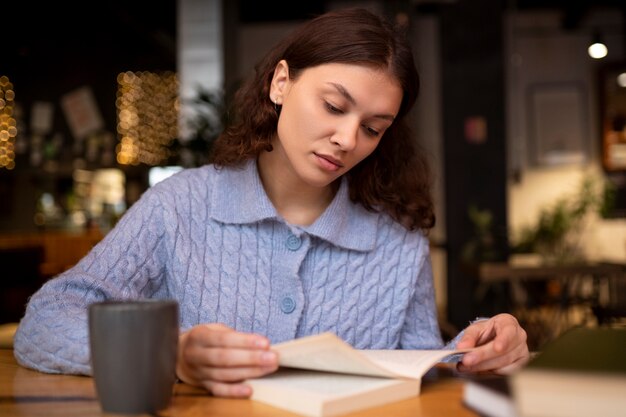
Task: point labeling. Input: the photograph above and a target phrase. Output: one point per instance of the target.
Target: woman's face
(332, 117)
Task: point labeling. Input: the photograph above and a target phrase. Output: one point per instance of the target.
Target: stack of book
(582, 373)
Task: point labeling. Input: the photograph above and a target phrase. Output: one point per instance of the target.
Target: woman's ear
(279, 82)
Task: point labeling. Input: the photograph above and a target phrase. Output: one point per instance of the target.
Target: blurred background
(522, 113)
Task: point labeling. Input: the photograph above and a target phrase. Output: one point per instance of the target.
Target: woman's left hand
(500, 345)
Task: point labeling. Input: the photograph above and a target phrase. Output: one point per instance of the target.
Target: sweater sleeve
(129, 263)
(421, 327)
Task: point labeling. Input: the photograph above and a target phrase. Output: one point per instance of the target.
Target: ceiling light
(597, 49)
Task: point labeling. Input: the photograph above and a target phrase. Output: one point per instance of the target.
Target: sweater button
(287, 305)
(293, 242)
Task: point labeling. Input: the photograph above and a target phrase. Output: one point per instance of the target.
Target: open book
(323, 376)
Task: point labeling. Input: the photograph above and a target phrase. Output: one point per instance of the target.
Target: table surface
(24, 392)
(487, 272)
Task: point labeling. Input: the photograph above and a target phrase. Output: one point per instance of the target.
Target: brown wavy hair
(395, 178)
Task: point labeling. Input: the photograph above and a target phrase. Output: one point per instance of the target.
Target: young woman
(311, 218)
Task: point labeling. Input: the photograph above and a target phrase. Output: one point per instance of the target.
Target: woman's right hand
(219, 359)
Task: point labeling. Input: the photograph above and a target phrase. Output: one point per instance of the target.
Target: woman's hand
(218, 358)
(500, 345)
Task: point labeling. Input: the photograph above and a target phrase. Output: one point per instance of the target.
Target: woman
(312, 218)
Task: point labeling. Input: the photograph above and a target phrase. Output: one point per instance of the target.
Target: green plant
(609, 199)
(556, 235)
(481, 247)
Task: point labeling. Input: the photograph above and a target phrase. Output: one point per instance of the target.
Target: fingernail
(268, 357)
(261, 343)
(244, 390)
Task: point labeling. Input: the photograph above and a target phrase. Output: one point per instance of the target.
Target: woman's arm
(421, 327)
(127, 264)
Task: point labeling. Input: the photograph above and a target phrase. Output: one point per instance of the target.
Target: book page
(318, 394)
(323, 383)
(408, 363)
(326, 352)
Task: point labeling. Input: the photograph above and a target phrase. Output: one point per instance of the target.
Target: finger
(218, 326)
(488, 333)
(491, 362)
(500, 364)
(236, 374)
(495, 349)
(197, 352)
(508, 333)
(507, 338)
(512, 367)
(222, 389)
(217, 335)
(221, 335)
(477, 355)
(486, 364)
(502, 329)
(219, 357)
(201, 366)
(472, 334)
(234, 366)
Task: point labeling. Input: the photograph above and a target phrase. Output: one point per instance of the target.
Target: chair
(614, 310)
(20, 277)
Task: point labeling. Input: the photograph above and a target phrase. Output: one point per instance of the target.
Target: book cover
(489, 395)
(323, 376)
(581, 373)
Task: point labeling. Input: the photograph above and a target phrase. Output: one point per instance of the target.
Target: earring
(277, 106)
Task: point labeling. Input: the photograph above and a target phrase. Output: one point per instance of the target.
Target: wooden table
(492, 272)
(28, 393)
(571, 278)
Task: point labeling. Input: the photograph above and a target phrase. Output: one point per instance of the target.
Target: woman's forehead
(360, 84)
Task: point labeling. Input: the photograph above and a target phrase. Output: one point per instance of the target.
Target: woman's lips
(328, 162)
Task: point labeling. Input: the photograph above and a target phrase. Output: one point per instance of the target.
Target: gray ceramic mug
(133, 354)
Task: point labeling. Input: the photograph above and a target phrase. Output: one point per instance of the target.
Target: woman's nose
(346, 136)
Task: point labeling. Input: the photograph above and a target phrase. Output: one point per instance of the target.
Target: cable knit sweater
(212, 240)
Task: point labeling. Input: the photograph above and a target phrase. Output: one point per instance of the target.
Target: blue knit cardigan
(212, 240)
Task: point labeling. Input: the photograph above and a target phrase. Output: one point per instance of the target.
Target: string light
(8, 124)
(147, 114)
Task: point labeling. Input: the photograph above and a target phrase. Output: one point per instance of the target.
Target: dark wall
(52, 48)
(472, 86)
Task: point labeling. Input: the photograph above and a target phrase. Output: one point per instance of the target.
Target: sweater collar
(343, 223)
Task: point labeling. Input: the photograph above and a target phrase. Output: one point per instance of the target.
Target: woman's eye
(371, 132)
(333, 109)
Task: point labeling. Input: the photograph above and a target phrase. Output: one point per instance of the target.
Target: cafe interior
(522, 112)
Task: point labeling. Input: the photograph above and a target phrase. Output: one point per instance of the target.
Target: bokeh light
(147, 116)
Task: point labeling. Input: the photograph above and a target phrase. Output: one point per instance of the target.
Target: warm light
(147, 116)
(597, 50)
(8, 129)
(621, 79)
